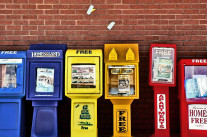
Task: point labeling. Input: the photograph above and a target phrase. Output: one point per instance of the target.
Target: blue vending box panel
(12, 74)
(45, 63)
(45, 71)
(12, 89)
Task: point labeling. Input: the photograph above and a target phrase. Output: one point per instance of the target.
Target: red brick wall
(180, 22)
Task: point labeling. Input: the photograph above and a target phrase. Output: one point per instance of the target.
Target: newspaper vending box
(45, 86)
(121, 83)
(193, 97)
(12, 90)
(162, 75)
(83, 84)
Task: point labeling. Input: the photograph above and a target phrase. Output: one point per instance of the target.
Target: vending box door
(45, 80)
(121, 81)
(83, 75)
(12, 76)
(162, 65)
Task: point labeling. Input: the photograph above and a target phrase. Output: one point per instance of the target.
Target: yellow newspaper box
(121, 83)
(83, 84)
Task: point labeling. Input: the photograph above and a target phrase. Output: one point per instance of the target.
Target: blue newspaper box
(45, 63)
(12, 90)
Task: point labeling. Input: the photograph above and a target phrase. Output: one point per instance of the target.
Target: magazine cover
(83, 76)
(8, 76)
(163, 69)
(45, 80)
(124, 84)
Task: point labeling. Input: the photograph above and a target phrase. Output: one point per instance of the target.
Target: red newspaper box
(193, 97)
(162, 75)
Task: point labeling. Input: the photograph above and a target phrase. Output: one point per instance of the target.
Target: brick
(168, 6)
(2, 37)
(122, 6)
(45, 17)
(76, 17)
(29, 37)
(36, 12)
(199, 6)
(28, 6)
(52, 32)
(51, 1)
(36, 22)
(191, 1)
(203, 21)
(12, 6)
(176, 1)
(6, 32)
(67, 12)
(60, 27)
(2, 17)
(105, 6)
(82, 1)
(114, 11)
(67, 32)
(183, 6)
(67, 1)
(20, 12)
(203, 11)
(44, 6)
(45, 28)
(61, 17)
(29, 16)
(60, 6)
(5, 22)
(14, 27)
(161, 1)
(98, 1)
(161, 22)
(52, 22)
(51, 11)
(113, 1)
(29, 28)
(21, 32)
(130, 22)
(13, 37)
(129, 1)
(191, 22)
(20, 22)
(5, 11)
(2, 27)
(20, 1)
(36, 1)
(37, 32)
(145, 1)
(6, 1)
(191, 11)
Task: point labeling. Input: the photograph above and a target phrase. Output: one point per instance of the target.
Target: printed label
(84, 114)
(161, 111)
(122, 121)
(9, 52)
(197, 116)
(45, 54)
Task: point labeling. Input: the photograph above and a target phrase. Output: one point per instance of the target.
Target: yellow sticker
(84, 116)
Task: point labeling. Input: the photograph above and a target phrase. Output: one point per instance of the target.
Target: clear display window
(121, 80)
(8, 76)
(83, 76)
(45, 80)
(196, 81)
(162, 65)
